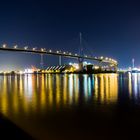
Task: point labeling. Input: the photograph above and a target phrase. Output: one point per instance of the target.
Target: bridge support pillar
(60, 60)
(100, 65)
(115, 68)
(41, 62)
(81, 67)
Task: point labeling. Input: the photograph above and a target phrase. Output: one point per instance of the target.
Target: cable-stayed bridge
(44, 51)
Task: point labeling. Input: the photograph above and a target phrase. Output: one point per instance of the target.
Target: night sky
(109, 28)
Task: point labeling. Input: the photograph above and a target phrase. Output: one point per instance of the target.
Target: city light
(4, 45)
(26, 47)
(28, 71)
(34, 49)
(15, 46)
(101, 57)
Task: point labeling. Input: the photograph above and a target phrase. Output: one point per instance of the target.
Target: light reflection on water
(41, 92)
(24, 98)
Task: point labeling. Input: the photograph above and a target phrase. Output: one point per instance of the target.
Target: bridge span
(60, 53)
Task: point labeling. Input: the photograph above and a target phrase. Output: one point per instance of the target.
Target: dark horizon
(109, 29)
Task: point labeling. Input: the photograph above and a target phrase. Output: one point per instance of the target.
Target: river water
(73, 106)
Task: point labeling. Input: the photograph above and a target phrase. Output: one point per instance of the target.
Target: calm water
(53, 107)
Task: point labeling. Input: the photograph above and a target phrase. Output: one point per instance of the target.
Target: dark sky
(109, 28)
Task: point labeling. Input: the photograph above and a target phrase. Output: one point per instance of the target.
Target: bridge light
(15, 46)
(50, 50)
(4, 45)
(34, 49)
(101, 57)
(85, 55)
(26, 47)
(75, 54)
(106, 58)
(69, 53)
(64, 52)
(42, 49)
(57, 51)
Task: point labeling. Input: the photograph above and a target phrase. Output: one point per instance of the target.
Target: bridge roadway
(59, 53)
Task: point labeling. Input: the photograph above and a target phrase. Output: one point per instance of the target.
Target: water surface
(72, 106)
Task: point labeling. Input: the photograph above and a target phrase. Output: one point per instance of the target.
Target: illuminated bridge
(43, 51)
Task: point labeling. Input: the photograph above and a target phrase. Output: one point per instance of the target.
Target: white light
(77, 67)
(42, 49)
(26, 47)
(15, 46)
(28, 71)
(34, 49)
(85, 62)
(69, 53)
(64, 52)
(75, 54)
(21, 72)
(50, 50)
(101, 57)
(4, 45)
(57, 51)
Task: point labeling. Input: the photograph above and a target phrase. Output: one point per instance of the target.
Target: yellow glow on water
(96, 87)
(101, 93)
(26, 98)
(65, 89)
(106, 87)
(58, 90)
(42, 93)
(30, 93)
(76, 88)
(71, 86)
(85, 83)
(50, 89)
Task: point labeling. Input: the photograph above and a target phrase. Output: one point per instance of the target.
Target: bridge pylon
(80, 60)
